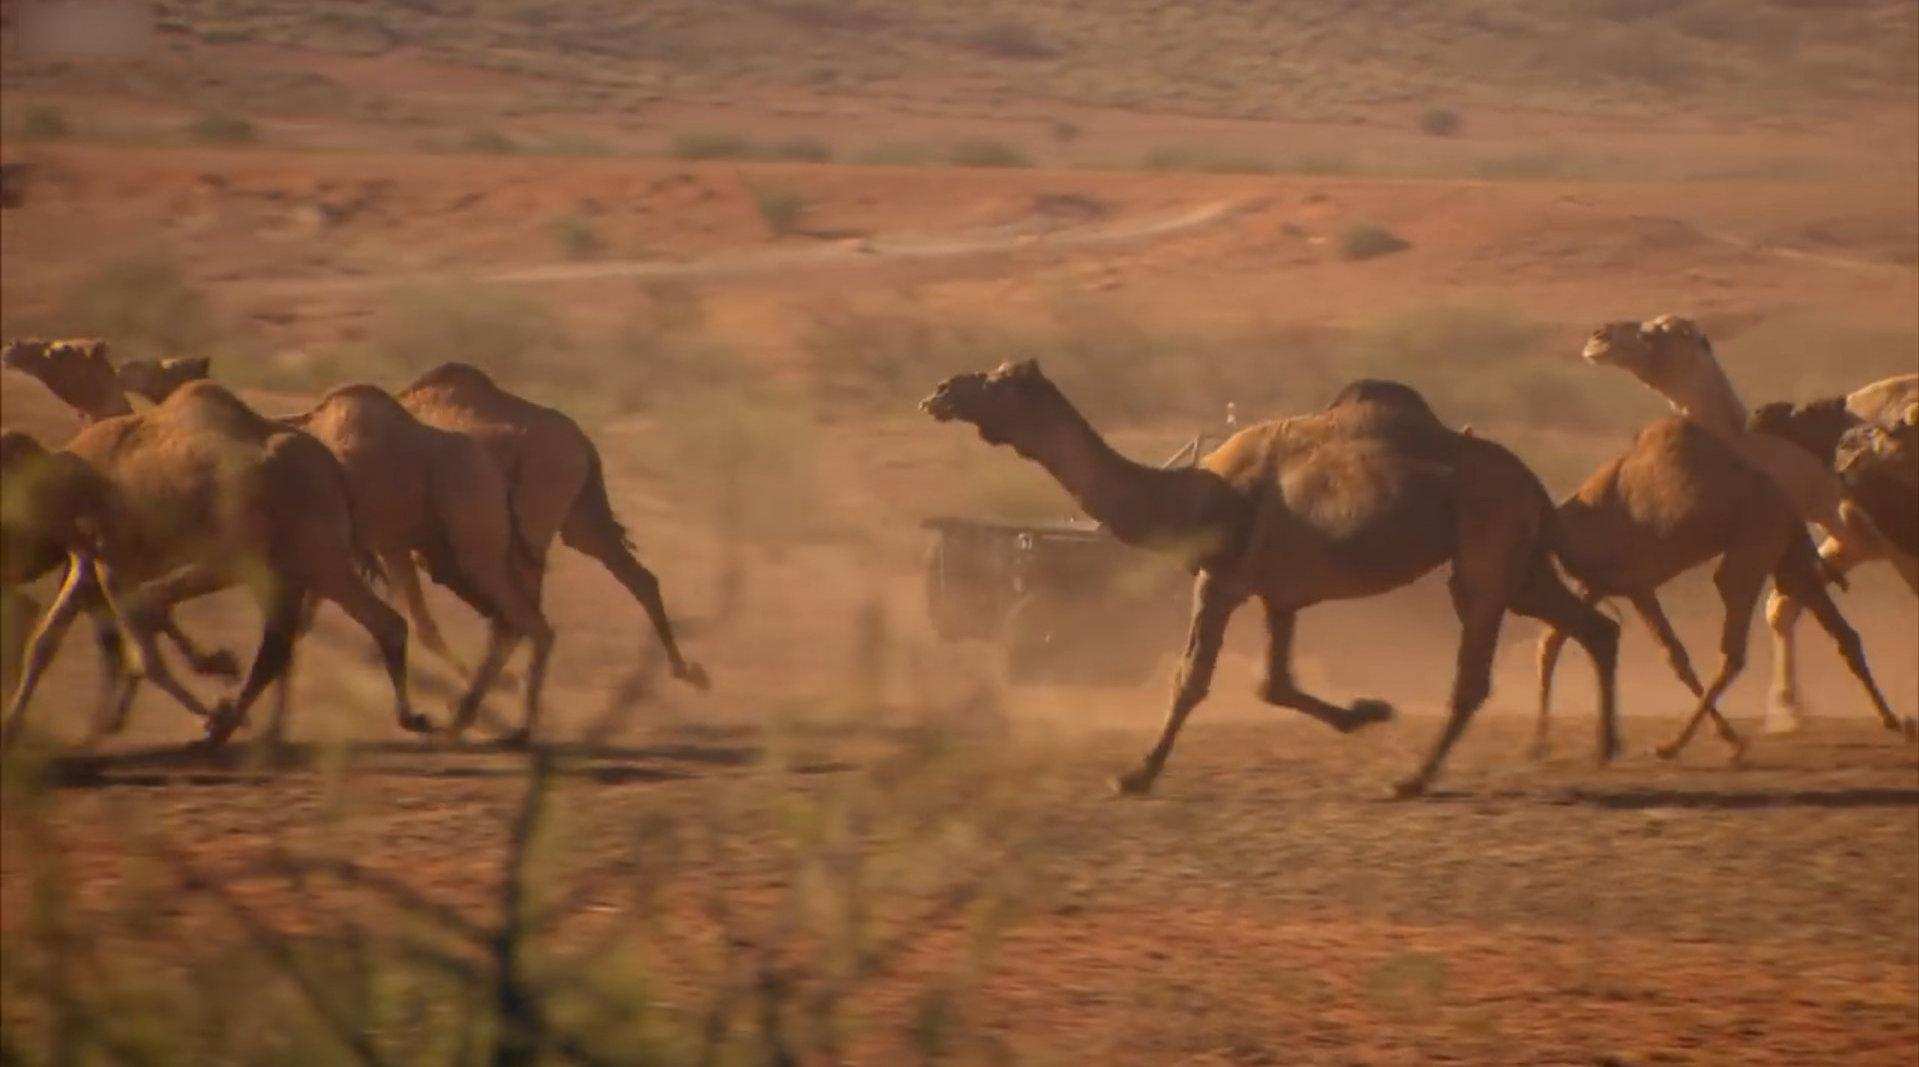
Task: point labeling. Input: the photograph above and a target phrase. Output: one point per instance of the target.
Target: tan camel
(1880, 466)
(556, 484)
(416, 490)
(1673, 357)
(156, 379)
(419, 491)
(201, 493)
(75, 370)
(1677, 498)
(1353, 501)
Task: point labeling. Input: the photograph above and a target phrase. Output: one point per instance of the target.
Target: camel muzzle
(939, 406)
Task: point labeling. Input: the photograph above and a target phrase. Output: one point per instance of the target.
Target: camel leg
(609, 548)
(275, 731)
(405, 579)
(1784, 707)
(342, 585)
(1654, 616)
(1480, 612)
(1541, 595)
(280, 607)
(1278, 687)
(140, 609)
(17, 612)
(1809, 590)
(218, 662)
(1212, 607)
(1739, 578)
(44, 641)
(500, 641)
(1551, 642)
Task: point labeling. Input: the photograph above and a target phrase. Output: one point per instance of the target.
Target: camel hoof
(226, 718)
(1783, 719)
(1135, 783)
(1666, 752)
(1409, 788)
(1365, 712)
(1910, 728)
(414, 722)
(521, 738)
(219, 663)
(1738, 757)
(694, 675)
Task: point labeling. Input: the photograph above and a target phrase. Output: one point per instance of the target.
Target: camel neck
(1141, 505)
(1708, 398)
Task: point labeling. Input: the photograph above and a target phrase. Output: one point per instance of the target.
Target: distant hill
(1314, 60)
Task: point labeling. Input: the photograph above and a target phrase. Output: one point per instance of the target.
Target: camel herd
(198, 492)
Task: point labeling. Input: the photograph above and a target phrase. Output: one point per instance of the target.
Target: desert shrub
(804, 149)
(1648, 55)
(1064, 131)
(1439, 121)
(1322, 165)
(44, 122)
(1367, 240)
(984, 152)
(1523, 166)
(1738, 23)
(898, 154)
(498, 329)
(780, 208)
(1010, 39)
(488, 140)
(576, 237)
(711, 144)
(220, 127)
(1181, 157)
(143, 305)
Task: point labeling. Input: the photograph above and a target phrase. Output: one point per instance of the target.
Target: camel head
(77, 371)
(1892, 449)
(1006, 404)
(1661, 349)
(1815, 427)
(156, 379)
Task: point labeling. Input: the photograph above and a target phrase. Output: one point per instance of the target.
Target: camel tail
(594, 509)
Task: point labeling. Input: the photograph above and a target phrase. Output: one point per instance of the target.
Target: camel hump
(453, 375)
(1385, 393)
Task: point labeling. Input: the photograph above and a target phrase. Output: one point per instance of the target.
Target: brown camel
(422, 491)
(198, 494)
(76, 370)
(416, 490)
(1352, 501)
(1673, 356)
(156, 379)
(1677, 498)
(556, 484)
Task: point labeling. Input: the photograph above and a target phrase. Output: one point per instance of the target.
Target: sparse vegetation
(145, 305)
(1010, 39)
(721, 144)
(44, 122)
(1183, 157)
(577, 237)
(489, 141)
(780, 208)
(1440, 121)
(220, 127)
(1367, 240)
(899, 154)
(985, 152)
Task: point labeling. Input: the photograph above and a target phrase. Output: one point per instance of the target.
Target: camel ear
(1025, 368)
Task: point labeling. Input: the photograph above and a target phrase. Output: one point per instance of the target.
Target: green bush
(987, 153)
(1439, 121)
(577, 237)
(44, 122)
(143, 305)
(488, 140)
(219, 127)
(711, 144)
(780, 209)
(1366, 240)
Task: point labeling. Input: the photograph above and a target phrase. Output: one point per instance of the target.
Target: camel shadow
(260, 762)
(1644, 799)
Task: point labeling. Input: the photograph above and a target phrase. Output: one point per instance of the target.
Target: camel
(418, 490)
(156, 379)
(555, 483)
(415, 490)
(195, 495)
(1880, 466)
(1674, 358)
(1677, 498)
(1355, 500)
(75, 370)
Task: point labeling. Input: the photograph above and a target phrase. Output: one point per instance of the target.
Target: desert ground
(866, 844)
